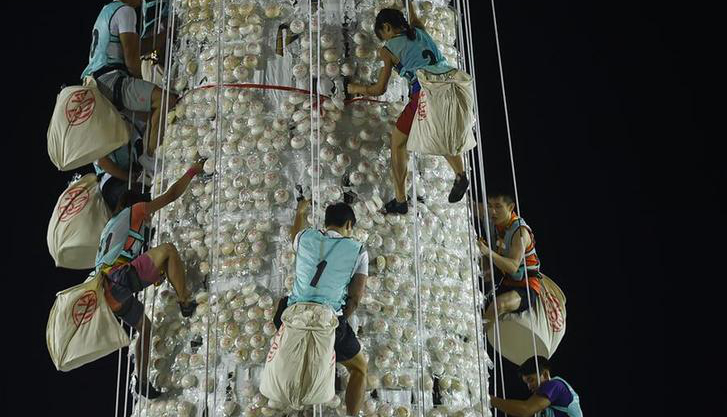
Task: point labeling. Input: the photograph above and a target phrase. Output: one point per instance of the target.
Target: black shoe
(395, 207)
(145, 390)
(188, 309)
(459, 188)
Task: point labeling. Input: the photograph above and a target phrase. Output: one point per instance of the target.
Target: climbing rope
(514, 180)
(473, 72)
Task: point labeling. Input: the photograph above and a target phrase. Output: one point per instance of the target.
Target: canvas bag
(76, 224)
(152, 72)
(301, 365)
(445, 114)
(81, 326)
(85, 126)
(548, 322)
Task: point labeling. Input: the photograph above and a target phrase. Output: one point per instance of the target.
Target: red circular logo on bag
(84, 308)
(73, 201)
(79, 107)
(553, 312)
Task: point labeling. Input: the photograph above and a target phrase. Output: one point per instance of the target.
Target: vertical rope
(214, 253)
(314, 201)
(514, 180)
(480, 158)
(418, 285)
(144, 403)
(317, 190)
(472, 250)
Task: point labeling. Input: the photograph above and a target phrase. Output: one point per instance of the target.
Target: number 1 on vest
(319, 270)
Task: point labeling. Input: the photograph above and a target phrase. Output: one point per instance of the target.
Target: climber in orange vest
(514, 241)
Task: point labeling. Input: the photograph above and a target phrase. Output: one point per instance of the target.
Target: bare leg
(357, 369)
(156, 129)
(455, 161)
(399, 160)
(166, 258)
(506, 303)
(142, 352)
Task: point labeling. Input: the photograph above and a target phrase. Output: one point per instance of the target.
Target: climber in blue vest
(115, 62)
(331, 268)
(408, 48)
(551, 395)
(128, 265)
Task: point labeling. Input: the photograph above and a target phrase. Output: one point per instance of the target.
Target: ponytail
(409, 31)
(396, 19)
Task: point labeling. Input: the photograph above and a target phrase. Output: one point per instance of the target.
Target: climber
(552, 395)
(115, 64)
(408, 49)
(128, 267)
(115, 169)
(346, 272)
(514, 241)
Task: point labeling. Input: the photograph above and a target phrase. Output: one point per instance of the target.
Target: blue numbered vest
(531, 257)
(420, 53)
(101, 38)
(573, 409)
(340, 253)
(114, 236)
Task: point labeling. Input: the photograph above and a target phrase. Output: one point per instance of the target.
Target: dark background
(618, 174)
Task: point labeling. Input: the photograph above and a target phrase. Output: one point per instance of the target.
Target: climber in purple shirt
(551, 395)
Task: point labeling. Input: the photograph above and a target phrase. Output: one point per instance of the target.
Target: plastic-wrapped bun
(357, 178)
(333, 193)
(348, 69)
(297, 142)
(332, 139)
(297, 26)
(189, 381)
(343, 160)
(331, 55)
(209, 166)
(327, 154)
(272, 11)
(402, 411)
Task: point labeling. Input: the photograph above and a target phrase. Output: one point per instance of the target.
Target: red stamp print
(79, 107)
(553, 312)
(84, 308)
(73, 201)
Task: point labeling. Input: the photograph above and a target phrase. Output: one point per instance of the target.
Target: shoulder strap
(118, 5)
(322, 257)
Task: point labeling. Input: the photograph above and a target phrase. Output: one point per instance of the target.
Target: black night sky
(610, 104)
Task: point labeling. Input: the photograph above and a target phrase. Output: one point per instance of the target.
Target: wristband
(191, 173)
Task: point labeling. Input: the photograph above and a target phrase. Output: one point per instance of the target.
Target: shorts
(135, 93)
(125, 281)
(523, 293)
(406, 118)
(346, 344)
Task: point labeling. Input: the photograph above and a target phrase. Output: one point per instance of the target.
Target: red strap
(281, 88)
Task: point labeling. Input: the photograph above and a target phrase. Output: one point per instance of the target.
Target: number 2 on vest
(427, 54)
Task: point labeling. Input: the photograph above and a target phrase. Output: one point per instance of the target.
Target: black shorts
(346, 344)
(523, 293)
